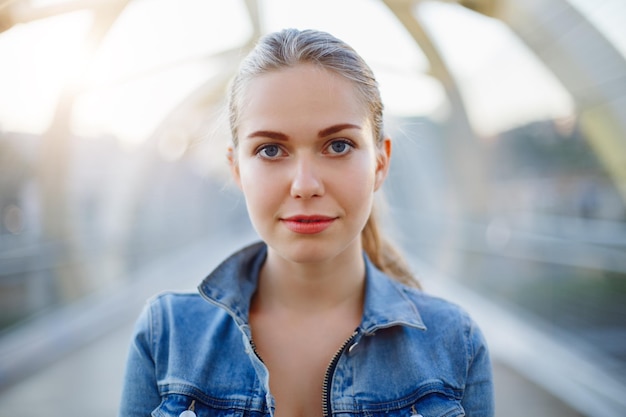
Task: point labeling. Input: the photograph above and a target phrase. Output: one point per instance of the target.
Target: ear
(383, 157)
(234, 166)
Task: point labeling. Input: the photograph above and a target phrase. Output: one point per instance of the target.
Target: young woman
(321, 318)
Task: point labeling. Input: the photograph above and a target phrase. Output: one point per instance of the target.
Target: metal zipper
(256, 352)
(329, 373)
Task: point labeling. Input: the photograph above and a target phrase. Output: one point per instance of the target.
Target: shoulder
(173, 299)
(434, 308)
(389, 301)
(173, 321)
(175, 302)
(180, 308)
(443, 316)
(447, 319)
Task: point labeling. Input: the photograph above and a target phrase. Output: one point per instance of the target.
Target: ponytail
(384, 255)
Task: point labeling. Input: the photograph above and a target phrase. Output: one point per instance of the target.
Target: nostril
(306, 184)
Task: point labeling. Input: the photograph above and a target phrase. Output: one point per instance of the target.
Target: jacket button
(189, 412)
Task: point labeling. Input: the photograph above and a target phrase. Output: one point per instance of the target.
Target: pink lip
(308, 225)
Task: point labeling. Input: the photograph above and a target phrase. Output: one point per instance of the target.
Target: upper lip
(308, 218)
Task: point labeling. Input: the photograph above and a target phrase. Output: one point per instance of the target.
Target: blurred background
(507, 191)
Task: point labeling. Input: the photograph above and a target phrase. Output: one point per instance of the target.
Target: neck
(311, 287)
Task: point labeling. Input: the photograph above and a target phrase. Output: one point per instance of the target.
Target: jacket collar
(232, 284)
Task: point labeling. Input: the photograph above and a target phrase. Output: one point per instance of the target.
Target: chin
(306, 253)
(311, 251)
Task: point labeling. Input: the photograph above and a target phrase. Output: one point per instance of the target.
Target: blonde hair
(290, 47)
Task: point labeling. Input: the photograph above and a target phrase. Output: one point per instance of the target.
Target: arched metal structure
(589, 67)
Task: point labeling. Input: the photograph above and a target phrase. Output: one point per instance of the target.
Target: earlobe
(382, 162)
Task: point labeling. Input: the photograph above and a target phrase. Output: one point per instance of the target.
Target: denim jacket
(412, 354)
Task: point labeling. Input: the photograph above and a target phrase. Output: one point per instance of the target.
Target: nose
(306, 182)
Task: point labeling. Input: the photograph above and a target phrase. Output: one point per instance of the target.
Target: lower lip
(308, 228)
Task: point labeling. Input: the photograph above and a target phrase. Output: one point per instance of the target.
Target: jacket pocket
(435, 405)
(174, 405)
(432, 404)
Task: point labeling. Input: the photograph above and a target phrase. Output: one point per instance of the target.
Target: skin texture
(306, 151)
(288, 109)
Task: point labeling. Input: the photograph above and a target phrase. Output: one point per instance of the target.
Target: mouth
(308, 219)
(308, 224)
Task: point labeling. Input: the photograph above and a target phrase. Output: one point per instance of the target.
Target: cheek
(357, 184)
(365, 170)
(259, 185)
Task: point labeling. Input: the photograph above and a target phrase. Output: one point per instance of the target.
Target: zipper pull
(414, 412)
(190, 411)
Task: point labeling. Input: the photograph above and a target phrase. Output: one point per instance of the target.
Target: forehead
(300, 97)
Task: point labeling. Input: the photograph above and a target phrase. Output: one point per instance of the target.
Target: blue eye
(269, 151)
(340, 147)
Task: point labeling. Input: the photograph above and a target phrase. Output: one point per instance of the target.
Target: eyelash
(265, 147)
(348, 143)
(280, 151)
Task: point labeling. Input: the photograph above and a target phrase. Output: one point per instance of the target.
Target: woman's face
(307, 162)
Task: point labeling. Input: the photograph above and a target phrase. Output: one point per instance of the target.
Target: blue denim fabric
(413, 353)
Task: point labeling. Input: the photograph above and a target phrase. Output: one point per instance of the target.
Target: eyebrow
(337, 128)
(322, 133)
(268, 134)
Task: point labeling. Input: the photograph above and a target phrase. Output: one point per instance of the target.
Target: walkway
(87, 381)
